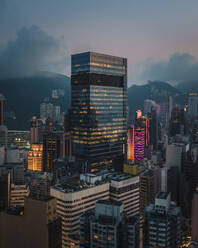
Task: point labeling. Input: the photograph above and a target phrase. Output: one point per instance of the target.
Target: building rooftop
(120, 176)
(18, 211)
(43, 198)
(163, 195)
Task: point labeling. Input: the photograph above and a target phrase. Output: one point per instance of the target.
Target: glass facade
(98, 107)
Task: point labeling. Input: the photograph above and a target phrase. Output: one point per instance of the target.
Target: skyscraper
(35, 157)
(2, 100)
(195, 217)
(192, 106)
(36, 130)
(98, 126)
(109, 227)
(163, 223)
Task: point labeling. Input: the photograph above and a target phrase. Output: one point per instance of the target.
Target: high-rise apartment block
(150, 186)
(107, 226)
(125, 188)
(99, 108)
(163, 223)
(73, 199)
(18, 194)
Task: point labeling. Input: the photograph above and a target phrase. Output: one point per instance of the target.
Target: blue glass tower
(99, 108)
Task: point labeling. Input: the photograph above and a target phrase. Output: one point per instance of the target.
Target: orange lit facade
(130, 145)
(35, 156)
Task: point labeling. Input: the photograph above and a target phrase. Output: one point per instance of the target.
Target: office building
(125, 188)
(5, 191)
(2, 103)
(51, 149)
(74, 197)
(192, 106)
(39, 183)
(107, 226)
(19, 139)
(174, 153)
(175, 123)
(36, 225)
(18, 193)
(3, 136)
(195, 216)
(36, 130)
(2, 155)
(148, 106)
(66, 145)
(99, 109)
(12, 155)
(35, 157)
(150, 186)
(16, 171)
(163, 223)
(153, 129)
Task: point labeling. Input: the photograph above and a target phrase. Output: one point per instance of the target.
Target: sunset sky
(145, 31)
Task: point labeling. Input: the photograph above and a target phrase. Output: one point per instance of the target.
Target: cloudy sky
(159, 37)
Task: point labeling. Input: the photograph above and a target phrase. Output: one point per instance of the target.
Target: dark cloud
(179, 67)
(32, 50)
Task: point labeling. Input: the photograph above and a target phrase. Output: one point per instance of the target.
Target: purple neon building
(139, 143)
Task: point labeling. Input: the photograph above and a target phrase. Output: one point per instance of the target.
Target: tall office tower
(175, 122)
(46, 111)
(130, 145)
(174, 154)
(139, 143)
(66, 145)
(138, 138)
(51, 149)
(174, 184)
(5, 191)
(2, 155)
(192, 106)
(36, 225)
(73, 199)
(3, 136)
(2, 102)
(154, 132)
(142, 122)
(163, 223)
(36, 130)
(17, 195)
(195, 216)
(108, 227)
(35, 157)
(99, 108)
(148, 106)
(125, 188)
(169, 110)
(150, 186)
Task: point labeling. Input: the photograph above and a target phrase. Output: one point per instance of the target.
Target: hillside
(24, 95)
(188, 87)
(154, 90)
